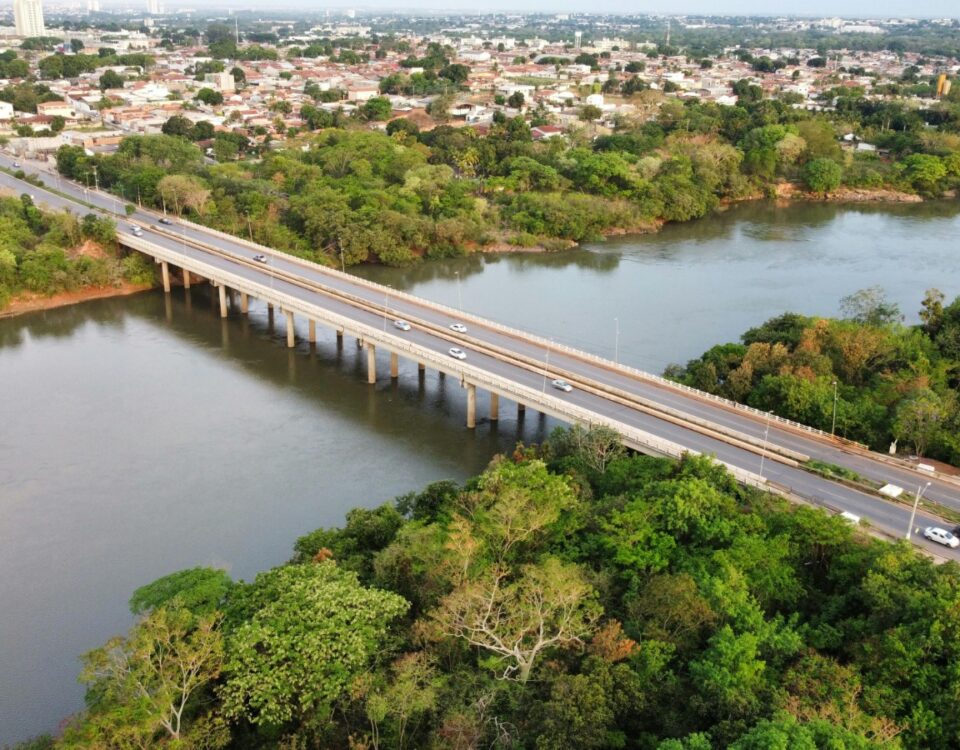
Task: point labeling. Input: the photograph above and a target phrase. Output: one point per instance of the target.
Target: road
(602, 387)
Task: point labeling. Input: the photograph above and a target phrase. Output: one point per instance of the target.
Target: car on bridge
(458, 327)
(457, 353)
(165, 220)
(401, 325)
(561, 385)
(941, 536)
(260, 258)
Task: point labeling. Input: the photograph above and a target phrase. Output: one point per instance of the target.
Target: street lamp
(616, 340)
(833, 425)
(546, 366)
(763, 452)
(386, 302)
(459, 292)
(921, 488)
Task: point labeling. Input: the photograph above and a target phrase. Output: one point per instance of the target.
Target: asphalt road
(890, 517)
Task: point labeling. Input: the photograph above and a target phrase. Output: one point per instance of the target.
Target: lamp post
(833, 425)
(616, 340)
(763, 452)
(546, 366)
(386, 302)
(459, 292)
(921, 488)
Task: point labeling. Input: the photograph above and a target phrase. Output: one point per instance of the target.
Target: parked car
(401, 325)
(165, 220)
(457, 353)
(260, 258)
(458, 327)
(16, 165)
(561, 385)
(941, 536)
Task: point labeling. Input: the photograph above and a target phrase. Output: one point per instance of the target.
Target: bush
(822, 175)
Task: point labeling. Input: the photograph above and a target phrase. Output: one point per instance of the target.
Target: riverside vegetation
(571, 596)
(46, 253)
(893, 381)
(339, 193)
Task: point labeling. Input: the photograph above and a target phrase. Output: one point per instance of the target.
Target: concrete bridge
(651, 415)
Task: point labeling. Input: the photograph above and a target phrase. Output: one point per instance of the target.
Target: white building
(153, 7)
(28, 17)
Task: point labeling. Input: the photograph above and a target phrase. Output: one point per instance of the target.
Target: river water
(142, 435)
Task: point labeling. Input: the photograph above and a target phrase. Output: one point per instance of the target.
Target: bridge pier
(339, 338)
(521, 410)
(371, 363)
(312, 332)
(471, 406)
(291, 335)
(165, 271)
(186, 279)
(394, 365)
(421, 367)
(223, 300)
(494, 407)
(244, 303)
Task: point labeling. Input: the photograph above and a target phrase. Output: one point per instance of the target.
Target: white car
(458, 353)
(941, 536)
(401, 325)
(16, 165)
(260, 258)
(458, 327)
(561, 385)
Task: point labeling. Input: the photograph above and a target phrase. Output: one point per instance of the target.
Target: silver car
(941, 536)
(458, 327)
(401, 325)
(561, 385)
(457, 353)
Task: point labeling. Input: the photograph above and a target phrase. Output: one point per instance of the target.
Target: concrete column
(186, 279)
(359, 343)
(521, 409)
(223, 300)
(270, 308)
(471, 406)
(494, 407)
(270, 317)
(371, 363)
(421, 367)
(312, 334)
(244, 303)
(291, 336)
(165, 270)
(394, 365)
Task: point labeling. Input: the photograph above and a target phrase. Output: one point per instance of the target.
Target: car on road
(941, 536)
(458, 327)
(457, 353)
(137, 231)
(561, 385)
(401, 325)
(165, 220)
(260, 258)
(16, 165)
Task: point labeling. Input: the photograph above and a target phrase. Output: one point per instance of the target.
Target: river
(143, 435)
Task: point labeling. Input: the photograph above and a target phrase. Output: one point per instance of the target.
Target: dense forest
(571, 596)
(343, 194)
(48, 252)
(882, 379)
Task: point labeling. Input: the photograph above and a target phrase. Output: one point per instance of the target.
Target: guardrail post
(223, 300)
(471, 406)
(165, 271)
(394, 365)
(312, 332)
(494, 407)
(291, 337)
(371, 363)
(186, 279)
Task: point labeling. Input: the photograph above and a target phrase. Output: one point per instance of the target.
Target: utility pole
(921, 488)
(833, 426)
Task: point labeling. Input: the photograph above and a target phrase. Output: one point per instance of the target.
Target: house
(545, 132)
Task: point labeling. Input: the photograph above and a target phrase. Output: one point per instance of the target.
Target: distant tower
(153, 7)
(577, 39)
(28, 17)
(93, 6)
(668, 33)
(351, 13)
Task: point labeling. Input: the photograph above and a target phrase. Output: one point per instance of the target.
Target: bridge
(651, 414)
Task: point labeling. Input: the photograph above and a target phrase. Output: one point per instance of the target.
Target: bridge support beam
(339, 338)
(244, 303)
(394, 365)
(291, 335)
(223, 300)
(186, 279)
(494, 407)
(471, 406)
(521, 409)
(421, 367)
(312, 332)
(371, 364)
(165, 271)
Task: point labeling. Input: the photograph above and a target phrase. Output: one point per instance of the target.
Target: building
(578, 40)
(153, 7)
(28, 17)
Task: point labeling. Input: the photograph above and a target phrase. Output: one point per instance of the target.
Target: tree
(924, 171)
(306, 632)
(919, 419)
(239, 77)
(177, 125)
(209, 97)
(411, 692)
(144, 683)
(377, 108)
(931, 313)
(870, 307)
(183, 192)
(549, 604)
(590, 113)
(76, 45)
(197, 590)
(822, 175)
(516, 100)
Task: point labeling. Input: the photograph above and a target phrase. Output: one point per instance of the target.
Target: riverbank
(25, 303)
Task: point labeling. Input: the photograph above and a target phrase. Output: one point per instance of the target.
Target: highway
(734, 435)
